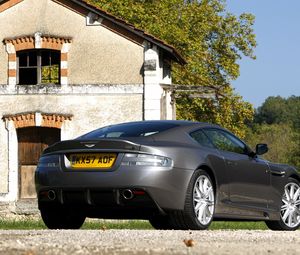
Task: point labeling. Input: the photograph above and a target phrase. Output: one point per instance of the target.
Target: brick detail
(64, 67)
(54, 43)
(64, 57)
(12, 57)
(64, 72)
(12, 73)
(29, 119)
(28, 42)
(7, 4)
(54, 120)
(22, 120)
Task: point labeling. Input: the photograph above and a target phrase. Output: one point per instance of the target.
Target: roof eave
(170, 49)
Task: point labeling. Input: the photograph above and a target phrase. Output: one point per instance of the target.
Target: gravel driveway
(148, 242)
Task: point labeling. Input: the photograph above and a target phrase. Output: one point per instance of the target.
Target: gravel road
(40, 242)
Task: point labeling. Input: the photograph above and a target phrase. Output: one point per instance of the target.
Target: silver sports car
(176, 174)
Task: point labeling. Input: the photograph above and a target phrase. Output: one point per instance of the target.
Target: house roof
(174, 54)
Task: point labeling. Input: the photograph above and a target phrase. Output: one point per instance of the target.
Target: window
(135, 129)
(225, 141)
(38, 67)
(201, 138)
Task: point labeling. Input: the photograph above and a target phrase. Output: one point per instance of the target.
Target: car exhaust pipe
(127, 194)
(51, 195)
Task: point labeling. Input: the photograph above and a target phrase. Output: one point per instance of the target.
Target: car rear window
(129, 130)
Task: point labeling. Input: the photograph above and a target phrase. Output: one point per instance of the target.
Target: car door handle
(280, 173)
(232, 163)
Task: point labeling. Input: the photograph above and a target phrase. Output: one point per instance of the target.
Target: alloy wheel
(290, 209)
(203, 199)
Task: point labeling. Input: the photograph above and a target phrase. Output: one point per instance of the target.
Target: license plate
(95, 160)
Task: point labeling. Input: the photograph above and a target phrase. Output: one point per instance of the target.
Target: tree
(229, 111)
(279, 110)
(277, 123)
(210, 39)
(283, 142)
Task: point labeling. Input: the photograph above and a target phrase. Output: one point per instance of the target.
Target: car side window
(202, 139)
(225, 141)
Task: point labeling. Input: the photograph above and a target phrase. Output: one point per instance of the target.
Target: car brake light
(135, 159)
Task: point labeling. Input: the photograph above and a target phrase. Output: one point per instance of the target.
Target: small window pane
(224, 141)
(55, 58)
(50, 74)
(22, 59)
(32, 58)
(45, 58)
(202, 139)
(237, 145)
(28, 76)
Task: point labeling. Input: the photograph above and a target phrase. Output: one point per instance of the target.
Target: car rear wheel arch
(211, 174)
(187, 218)
(295, 177)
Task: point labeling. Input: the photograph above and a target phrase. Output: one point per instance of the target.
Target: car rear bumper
(164, 189)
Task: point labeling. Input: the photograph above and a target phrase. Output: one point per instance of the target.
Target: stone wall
(97, 54)
(20, 210)
(91, 107)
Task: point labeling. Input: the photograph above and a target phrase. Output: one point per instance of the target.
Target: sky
(276, 70)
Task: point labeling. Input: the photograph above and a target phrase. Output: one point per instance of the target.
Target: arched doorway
(31, 143)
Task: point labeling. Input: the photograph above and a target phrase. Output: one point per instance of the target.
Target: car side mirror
(261, 149)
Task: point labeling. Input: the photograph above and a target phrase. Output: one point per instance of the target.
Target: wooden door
(31, 143)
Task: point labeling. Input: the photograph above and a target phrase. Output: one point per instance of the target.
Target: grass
(22, 224)
(130, 224)
(235, 225)
(122, 224)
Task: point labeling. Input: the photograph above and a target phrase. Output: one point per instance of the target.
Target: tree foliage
(230, 111)
(282, 139)
(277, 123)
(279, 110)
(210, 39)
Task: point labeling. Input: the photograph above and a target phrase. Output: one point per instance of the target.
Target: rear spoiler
(92, 145)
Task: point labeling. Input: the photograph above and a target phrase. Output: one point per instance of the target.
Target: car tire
(160, 222)
(199, 204)
(58, 218)
(290, 209)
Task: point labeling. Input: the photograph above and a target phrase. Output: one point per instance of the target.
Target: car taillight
(49, 161)
(135, 159)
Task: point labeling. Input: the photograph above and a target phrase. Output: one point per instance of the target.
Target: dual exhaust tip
(51, 195)
(127, 194)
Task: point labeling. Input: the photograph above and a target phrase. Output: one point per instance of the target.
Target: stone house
(67, 67)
